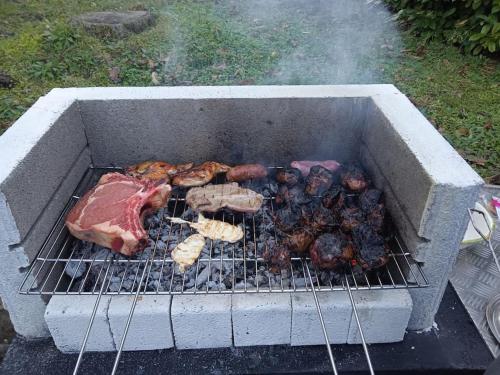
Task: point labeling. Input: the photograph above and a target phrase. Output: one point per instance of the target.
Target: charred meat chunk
(317, 218)
(369, 199)
(371, 247)
(319, 180)
(299, 240)
(331, 251)
(305, 165)
(331, 197)
(350, 218)
(354, 179)
(286, 218)
(288, 176)
(291, 195)
(277, 256)
(376, 217)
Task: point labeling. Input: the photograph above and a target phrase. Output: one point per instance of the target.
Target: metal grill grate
(225, 268)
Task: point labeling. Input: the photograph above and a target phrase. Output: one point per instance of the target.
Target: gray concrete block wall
(281, 129)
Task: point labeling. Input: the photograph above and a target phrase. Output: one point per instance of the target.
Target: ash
(221, 266)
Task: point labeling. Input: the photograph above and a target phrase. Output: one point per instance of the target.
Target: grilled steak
(212, 198)
(331, 251)
(246, 172)
(112, 212)
(305, 165)
(199, 175)
(156, 170)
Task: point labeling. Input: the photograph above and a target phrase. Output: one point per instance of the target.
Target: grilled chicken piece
(291, 195)
(288, 176)
(277, 256)
(299, 240)
(331, 197)
(354, 179)
(212, 198)
(246, 172)
(305, 165)
(155, 170)
(213, 229)
(286, 218)
(317, 218)
(199, 175)
(331, 251)
(318, 181)
(351, 218)
(372, 251)
(186, 253)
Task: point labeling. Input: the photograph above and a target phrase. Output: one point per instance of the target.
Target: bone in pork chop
(112, 212)
(199, 175)
(212, 198)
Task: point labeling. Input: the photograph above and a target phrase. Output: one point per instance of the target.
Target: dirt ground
(6, 331)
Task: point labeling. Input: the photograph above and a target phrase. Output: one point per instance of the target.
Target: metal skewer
(363, 341)
(323, 327)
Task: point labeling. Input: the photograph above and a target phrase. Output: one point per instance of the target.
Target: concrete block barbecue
(202, 321)
(306, 328)
(374, 309)
(68, 319)
(43, 156)
(150, 328)
(261, 318)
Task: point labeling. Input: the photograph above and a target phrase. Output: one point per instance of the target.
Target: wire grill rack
(231, 268)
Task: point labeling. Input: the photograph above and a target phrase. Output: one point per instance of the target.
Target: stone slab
(202, 321)
(261, 319)
(68, 318)
(306, 328)
(150, 328)
(113, 23)
(383, 315)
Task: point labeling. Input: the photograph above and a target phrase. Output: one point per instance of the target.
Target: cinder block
(37, 153)
(261, 319)
(383, 315)
(202, 321)
(68, 317)
(306, 328)
(150, 328)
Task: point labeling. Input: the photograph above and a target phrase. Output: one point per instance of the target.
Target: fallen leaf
(463, 132)
(494, 180)
(155, 79)
(479, 161)
(488, 125)
(114, 74)
(151, 64)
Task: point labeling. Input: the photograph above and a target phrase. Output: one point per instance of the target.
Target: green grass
(197, 43)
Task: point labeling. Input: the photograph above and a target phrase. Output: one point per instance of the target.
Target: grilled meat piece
(305, 165)
(186, 253)
(372, 252)
(331, 251)
(212, 198)
(291, 195)
(369, 199)
(199, 175)
(351, 218)
(288, 176)
(213, 229)
(299, 240)
(286, 218)
(246, 172)
(317, 218)
(277, 256)
(331, 197)
(354, 179)
(376, 217)
(318, 181)
(156, 170)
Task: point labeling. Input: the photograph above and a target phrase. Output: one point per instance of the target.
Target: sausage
(246, 172)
